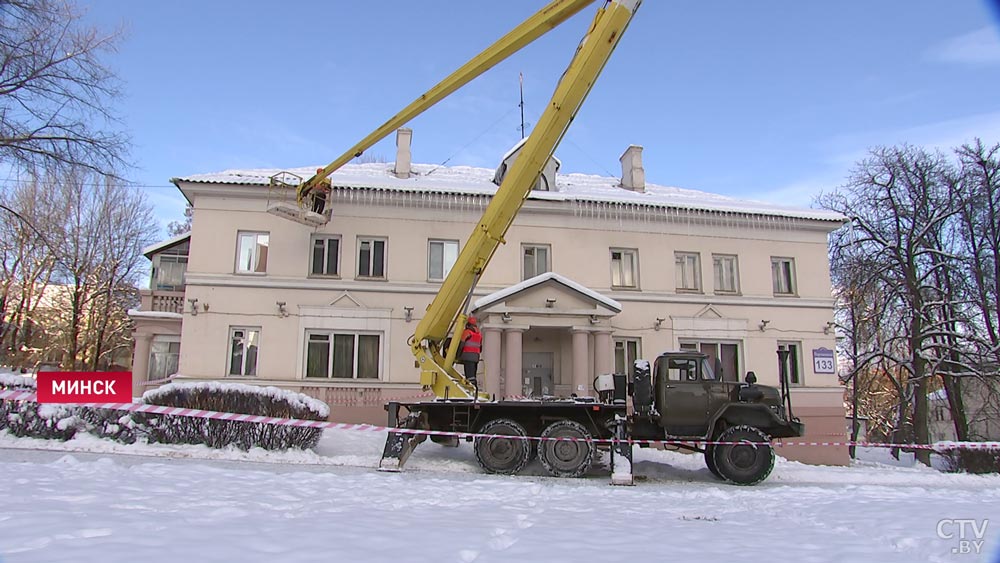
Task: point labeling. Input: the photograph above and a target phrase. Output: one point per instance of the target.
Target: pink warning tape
(300, 423)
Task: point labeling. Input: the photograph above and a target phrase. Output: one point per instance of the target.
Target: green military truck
(677, 398)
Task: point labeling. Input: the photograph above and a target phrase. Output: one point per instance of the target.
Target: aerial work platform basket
(282, 201)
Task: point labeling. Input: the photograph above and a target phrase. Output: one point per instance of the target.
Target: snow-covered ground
(93, 500)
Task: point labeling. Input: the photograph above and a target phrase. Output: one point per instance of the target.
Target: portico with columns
(547, 335)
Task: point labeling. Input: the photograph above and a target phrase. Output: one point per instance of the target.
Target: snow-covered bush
(30, 419)
(113, 424)
(963, 460)
(234, 398)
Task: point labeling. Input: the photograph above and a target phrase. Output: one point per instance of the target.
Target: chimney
(403, 138)
(633, 176)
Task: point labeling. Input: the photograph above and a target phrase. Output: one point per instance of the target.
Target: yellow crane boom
(447, 312)
(549, 17)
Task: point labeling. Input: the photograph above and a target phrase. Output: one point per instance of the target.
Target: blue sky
(771, 100)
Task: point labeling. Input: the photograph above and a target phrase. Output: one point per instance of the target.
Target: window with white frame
(687, 266)
(794, 362)
(325, 257)
(627, 351)
(164, 355)
(726, 273)
(724, 356)
(244, 343)
(371, 257)
(624, 267)
(535, 259)
(168, 271)
(783, 275)
(342, 355)
(441, 256)
(251, 252)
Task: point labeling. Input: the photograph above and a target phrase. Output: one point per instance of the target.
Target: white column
(140, 362)
(603, 361)
(581, 379)
(513, 381)
(489, 380)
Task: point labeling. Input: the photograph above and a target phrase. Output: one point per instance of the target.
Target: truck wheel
(504, 456)
(566, 458)
(710, 461)
(747, 463)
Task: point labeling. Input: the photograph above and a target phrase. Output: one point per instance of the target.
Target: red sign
(84, 387)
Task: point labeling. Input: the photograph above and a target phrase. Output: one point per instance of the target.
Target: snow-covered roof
(165, 244)
(506, 292)
(471, 180)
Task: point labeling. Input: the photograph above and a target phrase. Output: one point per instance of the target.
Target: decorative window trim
(445, 267)
(796, 370)
(736, 274)
(229, 352)
(548, 259)
(792, 277)
(634, 252)
(698, 285)
(326, 254)
(385, 258)
(254, 268)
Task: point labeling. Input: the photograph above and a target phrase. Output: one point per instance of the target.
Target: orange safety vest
(472, 342)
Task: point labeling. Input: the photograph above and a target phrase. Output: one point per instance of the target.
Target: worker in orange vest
(320, 192)
(472, 347)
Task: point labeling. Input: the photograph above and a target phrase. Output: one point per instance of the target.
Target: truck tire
(747, 463)
(503, 456)
(710, 461)
(566, 458)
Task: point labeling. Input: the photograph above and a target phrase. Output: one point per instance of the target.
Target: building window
(243, 345)
(251, 253)
(441, 256)
(342, 355)
(371, 257)
(724, 356)
(325, 258)
(168, 272)
(627, 351)
(624, 267)
(783, 275)
(164, 355)
(687, 266)
(535, 259)
(727, 273)
(794, 362)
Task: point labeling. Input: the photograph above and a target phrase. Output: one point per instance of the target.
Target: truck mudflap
(621, 454)
(399, 445)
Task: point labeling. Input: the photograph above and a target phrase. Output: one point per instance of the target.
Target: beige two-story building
(595, 273)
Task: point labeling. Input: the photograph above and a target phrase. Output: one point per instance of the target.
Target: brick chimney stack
(403, 156)
(633, 175)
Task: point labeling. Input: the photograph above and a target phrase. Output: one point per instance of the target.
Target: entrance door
(537, 370)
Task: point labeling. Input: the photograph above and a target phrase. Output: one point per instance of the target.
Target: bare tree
(99, 252)
(176, 228)
(55, 93)
(26, 268)
(899, 203)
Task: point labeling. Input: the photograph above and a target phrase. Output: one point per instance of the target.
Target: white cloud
(977, 47)
(844, 151)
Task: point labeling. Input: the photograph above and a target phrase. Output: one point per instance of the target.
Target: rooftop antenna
(520, 79)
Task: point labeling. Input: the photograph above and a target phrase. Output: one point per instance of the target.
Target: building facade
(595, 273)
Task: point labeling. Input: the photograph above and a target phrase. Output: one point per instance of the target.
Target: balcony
(161, 301)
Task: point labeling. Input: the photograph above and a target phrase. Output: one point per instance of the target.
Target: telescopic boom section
(446, 314)
(553, 14)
